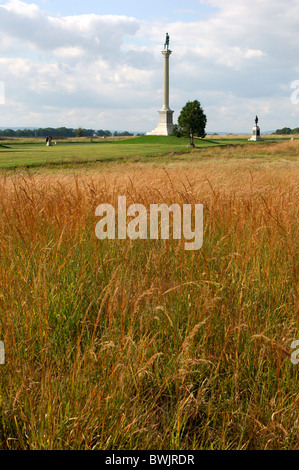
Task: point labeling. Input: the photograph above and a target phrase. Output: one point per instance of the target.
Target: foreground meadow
(121, 344)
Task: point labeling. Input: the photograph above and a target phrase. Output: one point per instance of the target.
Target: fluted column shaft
(166, 80)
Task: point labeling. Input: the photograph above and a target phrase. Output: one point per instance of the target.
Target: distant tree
(191, 122)
(64, 132)
(284, 130)
(176, 131)
(79, 132)
(122, 134)
(41, 132)
(27, 133)
(88, 132)
(9, 133)
(125, 134)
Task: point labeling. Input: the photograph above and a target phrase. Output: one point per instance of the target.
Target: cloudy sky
(98, 64)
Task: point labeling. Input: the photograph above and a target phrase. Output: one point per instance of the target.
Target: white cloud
(2, 92)
(251, 53)
(71, 52)
(93, 33)
(24, 10)
(238, 61)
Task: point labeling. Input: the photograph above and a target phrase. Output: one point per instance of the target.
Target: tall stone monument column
(165, 124)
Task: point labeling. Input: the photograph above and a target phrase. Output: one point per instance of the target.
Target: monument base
(256, 134)
(165, 125)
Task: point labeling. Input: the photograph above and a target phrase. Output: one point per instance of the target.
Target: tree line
(287, 130)
(61, 132)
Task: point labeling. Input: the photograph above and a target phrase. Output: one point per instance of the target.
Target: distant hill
(18, 128)
(239, 133)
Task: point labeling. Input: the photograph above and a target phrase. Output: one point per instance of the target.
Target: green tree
(284, 130)
(8, 133)
(176, 131)
(191, 122)
(88, 132)
(79, 132)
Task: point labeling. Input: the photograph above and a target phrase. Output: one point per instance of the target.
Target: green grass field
(139, 344)
(36, 154)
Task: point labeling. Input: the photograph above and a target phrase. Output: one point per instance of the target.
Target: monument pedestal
(49, 141)
(256, 134)
(165, 125)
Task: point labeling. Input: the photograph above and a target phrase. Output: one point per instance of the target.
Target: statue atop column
(256, 120)
(166, 45)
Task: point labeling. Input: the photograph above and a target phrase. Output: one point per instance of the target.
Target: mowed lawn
(13, 155)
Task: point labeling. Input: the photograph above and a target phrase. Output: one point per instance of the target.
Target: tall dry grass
(141, 344)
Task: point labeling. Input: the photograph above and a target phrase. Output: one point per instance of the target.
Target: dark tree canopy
(58, 132)
(287, 130)
(191, 122)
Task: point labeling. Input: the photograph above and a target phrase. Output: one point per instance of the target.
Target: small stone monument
(256, 132)
(49, 140)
